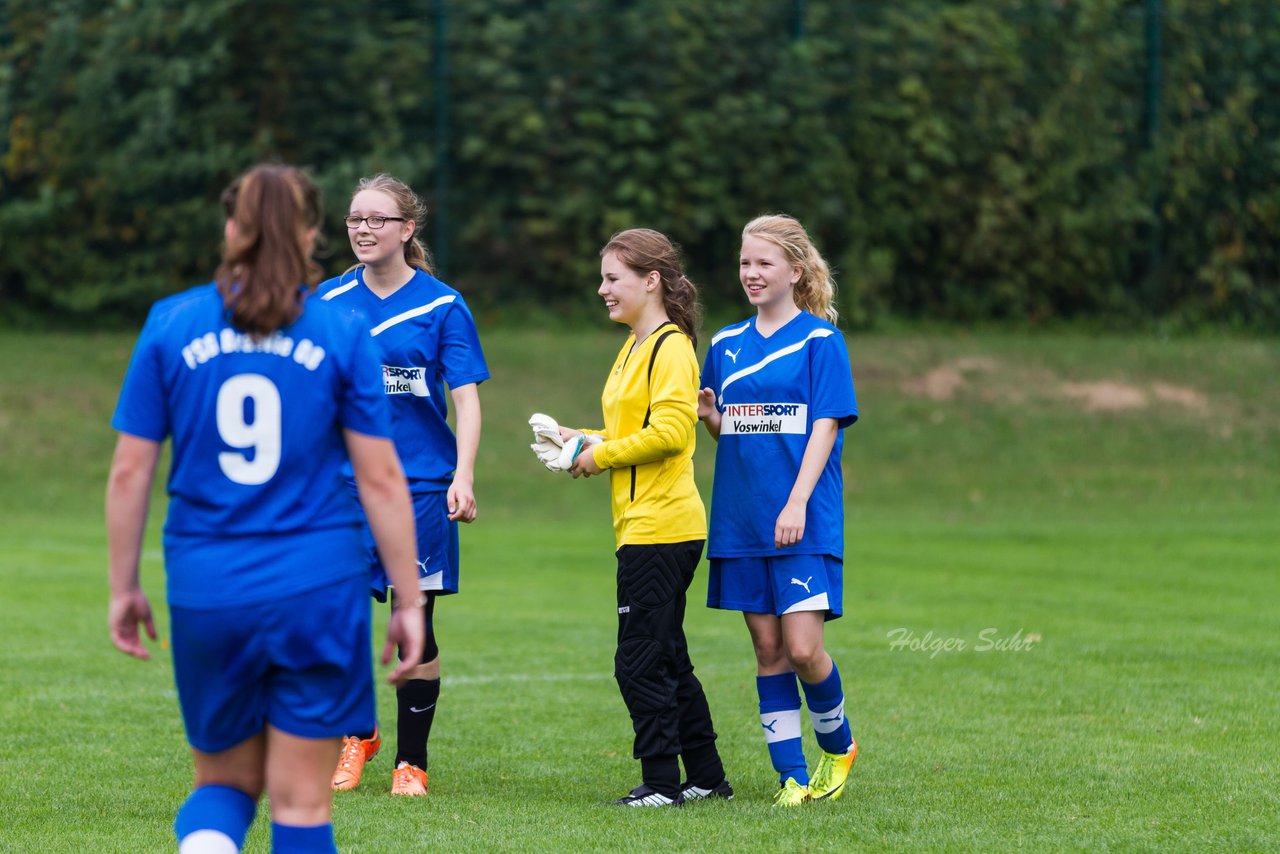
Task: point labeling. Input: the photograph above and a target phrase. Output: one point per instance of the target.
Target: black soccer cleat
(690, 792)
(645, 795)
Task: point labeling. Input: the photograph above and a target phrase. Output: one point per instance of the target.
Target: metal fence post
(440, 232)
(1154, 25)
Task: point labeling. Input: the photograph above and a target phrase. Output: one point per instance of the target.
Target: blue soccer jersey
(257, 427)
(769, 391)
(424, 336)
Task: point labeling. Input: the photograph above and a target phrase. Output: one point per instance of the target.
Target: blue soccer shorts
(781, 584)
(305, 666)
(437, 548)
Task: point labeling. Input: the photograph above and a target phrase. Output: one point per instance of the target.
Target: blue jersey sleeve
(831, 379)
(142, 409)
(461, 359)
(364, 407)
(710, 370)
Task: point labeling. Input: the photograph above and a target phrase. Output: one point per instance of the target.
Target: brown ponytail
(267, 260)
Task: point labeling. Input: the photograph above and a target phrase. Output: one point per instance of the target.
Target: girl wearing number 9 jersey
(266, 393)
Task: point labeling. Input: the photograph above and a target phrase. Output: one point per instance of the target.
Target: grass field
(1093, 518)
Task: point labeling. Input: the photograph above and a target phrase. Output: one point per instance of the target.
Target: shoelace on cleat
(825, 771)
(407, 772)
(350, 748)
(407, 775)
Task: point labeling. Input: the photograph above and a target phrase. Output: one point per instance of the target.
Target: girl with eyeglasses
(424, 338)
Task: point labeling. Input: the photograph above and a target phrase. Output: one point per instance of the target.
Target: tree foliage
(955, 160)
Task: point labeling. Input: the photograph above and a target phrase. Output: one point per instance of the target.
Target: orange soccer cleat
(355, 753)
(408, 780)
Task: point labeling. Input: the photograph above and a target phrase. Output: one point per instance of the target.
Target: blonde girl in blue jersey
(649, 404)
(267, 394)
(777, 393)
(424, 337)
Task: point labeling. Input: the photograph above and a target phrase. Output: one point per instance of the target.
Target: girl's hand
(585, 464)
(706, 402)
(125, 613)
(707, 412)
(406, 630)
(789, 529)
(461, 501)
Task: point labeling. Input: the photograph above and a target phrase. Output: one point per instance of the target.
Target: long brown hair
(816, 290)
(645, 250)
(267, 258)
(410, 206)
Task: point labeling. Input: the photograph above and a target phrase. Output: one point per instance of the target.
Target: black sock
(417, 709)
(703, 766)
(661, 773)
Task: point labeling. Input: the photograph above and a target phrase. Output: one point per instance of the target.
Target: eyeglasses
(375, 222)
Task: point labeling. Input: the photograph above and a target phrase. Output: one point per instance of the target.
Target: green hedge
(955, 160)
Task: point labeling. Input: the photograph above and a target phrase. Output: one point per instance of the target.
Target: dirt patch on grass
(1181, 395)
(977, 364)
(993, 380)
(1112, 396)
(1106, 396)
(938, 384)
(942, 383)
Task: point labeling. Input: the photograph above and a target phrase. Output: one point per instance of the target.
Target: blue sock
(221, 809)
(291, 839)
(780, 717)
(826, 710)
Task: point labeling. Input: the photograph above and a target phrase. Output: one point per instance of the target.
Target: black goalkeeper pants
(668, 707)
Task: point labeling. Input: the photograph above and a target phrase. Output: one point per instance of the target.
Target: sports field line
(495, 678)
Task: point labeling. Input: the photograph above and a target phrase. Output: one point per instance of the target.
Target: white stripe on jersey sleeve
(785, 351)
(410, 314)
(342, 289)
(729, 333)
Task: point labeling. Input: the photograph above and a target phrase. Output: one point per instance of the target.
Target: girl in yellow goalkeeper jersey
(649, 404)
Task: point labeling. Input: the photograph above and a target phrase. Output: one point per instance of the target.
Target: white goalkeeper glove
(552, 451)
(558, 457)
(545, 427)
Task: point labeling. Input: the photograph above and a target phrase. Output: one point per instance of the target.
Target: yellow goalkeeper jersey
(650, 404)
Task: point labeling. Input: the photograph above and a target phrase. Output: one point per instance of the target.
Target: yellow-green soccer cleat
(792, 794)
(832, 771)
